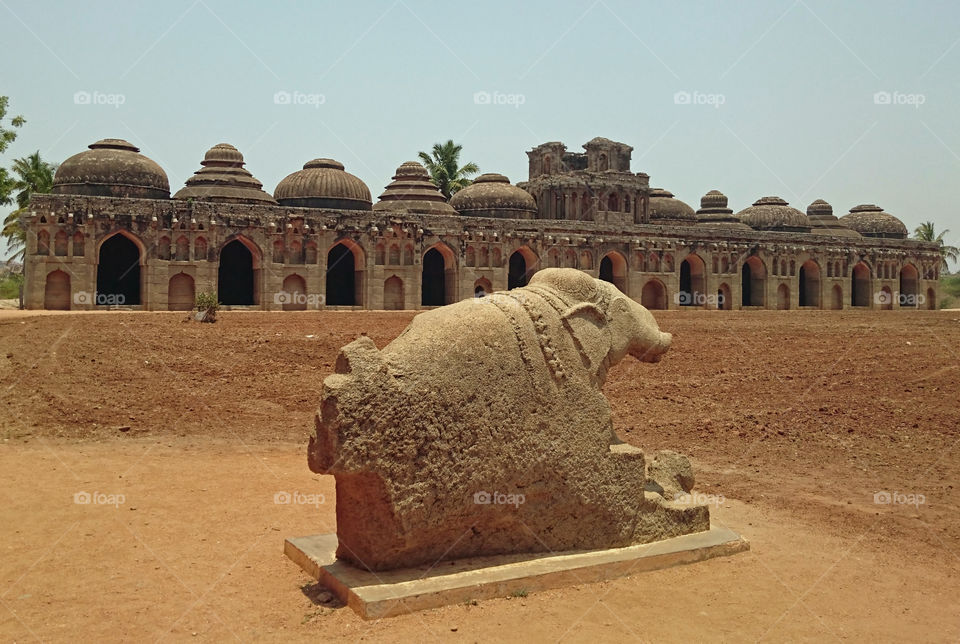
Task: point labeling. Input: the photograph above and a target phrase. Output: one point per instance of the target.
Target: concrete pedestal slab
(384, 594)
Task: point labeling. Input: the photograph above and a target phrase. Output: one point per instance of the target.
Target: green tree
(443, 164)
(32, 175)
(926, 232)
(8, 134)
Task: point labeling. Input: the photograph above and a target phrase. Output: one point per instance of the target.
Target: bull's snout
(653, 353)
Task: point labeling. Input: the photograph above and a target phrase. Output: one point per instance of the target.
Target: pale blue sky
(796, 80)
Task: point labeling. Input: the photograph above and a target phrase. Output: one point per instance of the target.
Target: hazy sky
(775, 97)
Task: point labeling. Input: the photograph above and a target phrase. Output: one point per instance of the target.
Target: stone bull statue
(482, 430)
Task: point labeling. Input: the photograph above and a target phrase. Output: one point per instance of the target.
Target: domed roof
(222, 178)
(412, 190)
(773, 213)
(492, 195)
(323, 184)
(871, 221)
(664, 208)
(824, 222)
(714, 212)
(111, 168)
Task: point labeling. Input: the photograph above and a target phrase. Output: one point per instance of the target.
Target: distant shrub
(208, 305)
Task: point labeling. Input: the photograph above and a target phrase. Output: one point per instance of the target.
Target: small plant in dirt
(207, 306)
(522, 592)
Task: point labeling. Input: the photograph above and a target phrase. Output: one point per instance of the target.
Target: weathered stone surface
(482, 430)
(672, 472)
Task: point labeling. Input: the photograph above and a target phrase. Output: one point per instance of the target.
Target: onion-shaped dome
(412, 190)
(714, 212)
(323, 184)
(824, 222)
(773, 213)
(665, 209)
(492, 195)
(222, 178)
(871, 221)
(111, 168)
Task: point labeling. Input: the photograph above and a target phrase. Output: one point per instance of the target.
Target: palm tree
(444, 170)
(925, 232)
(33, 175)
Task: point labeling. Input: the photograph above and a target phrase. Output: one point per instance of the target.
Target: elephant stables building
(110, 235)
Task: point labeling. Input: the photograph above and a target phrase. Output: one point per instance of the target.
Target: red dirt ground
(796, 418)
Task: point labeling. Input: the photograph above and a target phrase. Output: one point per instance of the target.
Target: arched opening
(836, 301)
(753, 282)
(931, 299)
(118, 272)
(60, 244)
(311, 253)
(163, 248)
(394, 257)
(78, 244)
(586, 260)
(56, 293)
(654, 295)
(180, 293)
(570, 258)
(613, 269)
(235, 275)
(724, 300)
(183, 249)
(860, 285)
(393, 293)
(344, 279)
(43, 243)
(295, 290)
(200, 250)
(783, 297)
(692, 287)
(482, 287)
(810, 284)
(909, 282)
(519, 272)
(433, 284)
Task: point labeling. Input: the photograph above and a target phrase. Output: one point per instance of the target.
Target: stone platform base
(395, 592)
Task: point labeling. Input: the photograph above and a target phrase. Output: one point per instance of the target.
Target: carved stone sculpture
(482, 430)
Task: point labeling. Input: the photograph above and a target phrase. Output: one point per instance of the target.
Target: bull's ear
(588, 327)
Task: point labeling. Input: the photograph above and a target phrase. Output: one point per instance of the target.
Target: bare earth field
(185, 432)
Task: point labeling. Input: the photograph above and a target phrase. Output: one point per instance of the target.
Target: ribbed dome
(871, 221)
(492, 195)
(323, 184)
(714, 212)
(664, 208)
(821, 217)
(224, 179)
(412, 190)
(111, 168)
(773, 213)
